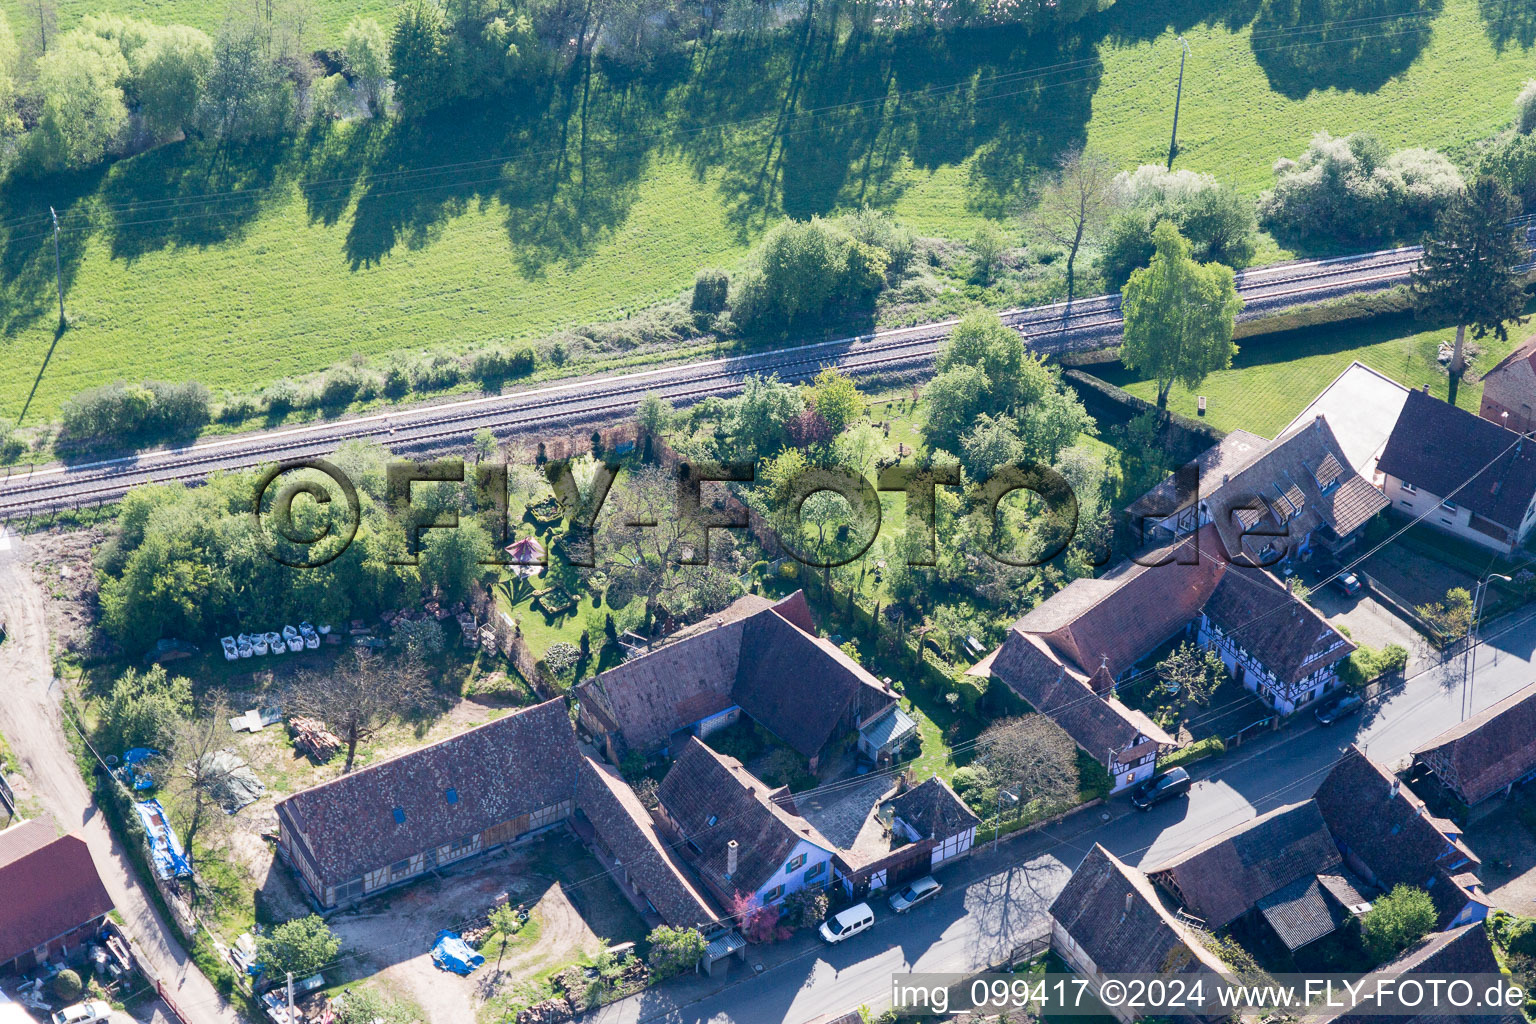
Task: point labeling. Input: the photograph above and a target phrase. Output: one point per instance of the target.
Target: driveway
(1370, 622)
(31, 721)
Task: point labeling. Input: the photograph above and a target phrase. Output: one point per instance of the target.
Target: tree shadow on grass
(197, 193)
(1355, 45)
(1508, 22)
(28, 291)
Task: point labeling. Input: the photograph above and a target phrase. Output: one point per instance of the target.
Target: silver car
(913, 893)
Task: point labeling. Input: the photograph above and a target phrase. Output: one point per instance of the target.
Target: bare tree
(1072, 207)
(196, 775)
(1032, 754)
(360, 694)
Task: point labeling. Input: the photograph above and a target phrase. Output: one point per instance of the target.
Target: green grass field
(1270, 382)
(240, 268)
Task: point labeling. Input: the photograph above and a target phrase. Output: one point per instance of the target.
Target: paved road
(996, 901)
(31, 722)
(1084, 325)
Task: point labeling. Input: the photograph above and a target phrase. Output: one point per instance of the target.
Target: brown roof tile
(50, 888)
(934, 810)
(1123, 615)
(1226, 876)
(1435, 446)
(625, 827)
(1098, 724)
(1488, 751)
(1113, 912)
(1385, 826)
(515, 765)
(1286, 635)
(1285, 478)
(714, 800)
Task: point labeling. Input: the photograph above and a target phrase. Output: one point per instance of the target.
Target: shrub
(710, 288)
(396, 381)
(66, 985)
(1520, 936)
(805, 908)
(301, 946)
(1525, 108)
(673, 951)
(875, 227)
(280, 396)
(802, 269)
(1512, 162)
(1396, 921)
(1350, 189)
(420, 638)
(437, 374)
(120, 411)
(143, 710)
(341, 386)
(498, 364)
(1218, 221)
(11, 446)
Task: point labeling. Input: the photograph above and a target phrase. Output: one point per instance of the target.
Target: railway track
(1085, 324)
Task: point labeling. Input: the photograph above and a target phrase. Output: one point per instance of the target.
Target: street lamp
(1469, 672)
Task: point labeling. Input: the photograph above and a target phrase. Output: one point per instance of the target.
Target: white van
(850, 922)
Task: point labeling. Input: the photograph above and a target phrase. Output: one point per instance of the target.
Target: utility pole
(58, 267)
(1173, 143)
(290, 997)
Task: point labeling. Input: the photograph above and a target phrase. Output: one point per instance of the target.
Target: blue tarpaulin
(452, 953)
(132, 774)
(164, 848)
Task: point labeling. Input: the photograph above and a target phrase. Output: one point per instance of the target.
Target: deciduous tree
(1396, 921)
(365, 48)
(1032, 755)
(299, 947)
(674, 950)
(1179, 316)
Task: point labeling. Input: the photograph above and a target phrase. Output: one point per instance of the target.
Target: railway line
(1083, 325)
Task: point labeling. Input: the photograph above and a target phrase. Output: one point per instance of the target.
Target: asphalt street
(997, 901)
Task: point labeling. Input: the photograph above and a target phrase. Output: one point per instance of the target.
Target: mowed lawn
(1271, 381)
(546, 212)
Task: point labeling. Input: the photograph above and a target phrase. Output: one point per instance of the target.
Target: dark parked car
(1345, 706)
(1349, 583)
(1159, 788)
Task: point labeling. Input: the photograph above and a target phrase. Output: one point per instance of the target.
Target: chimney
(1290, 584)
(1426, 389)
(731, 850)
(1395, 785)
(1317, 424)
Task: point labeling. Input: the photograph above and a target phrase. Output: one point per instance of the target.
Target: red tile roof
(50, 889)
